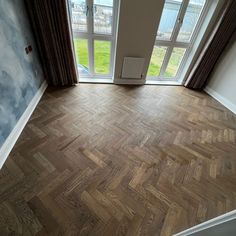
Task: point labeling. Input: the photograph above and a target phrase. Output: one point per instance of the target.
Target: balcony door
(178, 28)
(94, 30)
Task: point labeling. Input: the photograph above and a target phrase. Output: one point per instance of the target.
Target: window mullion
(166, 60)
(113, 39)
(90, 37)
(179, 20)
(173, 43)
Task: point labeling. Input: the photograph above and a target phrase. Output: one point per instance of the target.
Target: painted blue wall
(20, 74)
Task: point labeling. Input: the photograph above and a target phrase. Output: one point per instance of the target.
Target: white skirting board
(207, 227)
(15, 133)
(224, 101)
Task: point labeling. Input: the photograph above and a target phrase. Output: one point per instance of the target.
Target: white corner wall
(222, 83)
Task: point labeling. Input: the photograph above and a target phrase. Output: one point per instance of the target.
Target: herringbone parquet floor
(113, 160)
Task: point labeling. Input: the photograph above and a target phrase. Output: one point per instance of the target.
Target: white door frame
(170, 44)
(91, 37)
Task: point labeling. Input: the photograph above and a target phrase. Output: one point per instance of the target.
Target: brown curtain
(214, 47)
(52, 29)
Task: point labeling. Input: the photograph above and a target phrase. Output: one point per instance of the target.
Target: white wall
(21, 76)
(211, 17)
(138, 23)
(222, 83)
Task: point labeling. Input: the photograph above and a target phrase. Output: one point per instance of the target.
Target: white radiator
(132, 68)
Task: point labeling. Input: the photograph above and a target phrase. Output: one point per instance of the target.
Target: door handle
(180, 21)
(87, 10)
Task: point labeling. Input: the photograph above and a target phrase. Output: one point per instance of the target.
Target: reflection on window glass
(103, 16)
(81, 52)
(190, 20)
(102, 56)
(157, 58)
(168, 19)
(174, 62)
(78, 15)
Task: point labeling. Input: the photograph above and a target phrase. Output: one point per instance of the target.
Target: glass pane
(103, 16)
(190, 20)
(168, 19)
(102, 56)
(157, 58)
(174, 62)
(81, 52)
(78, 16)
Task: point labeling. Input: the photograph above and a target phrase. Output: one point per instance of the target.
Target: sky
(109, 2)
(102, 2)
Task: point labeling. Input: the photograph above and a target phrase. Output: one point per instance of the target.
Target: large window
(94, 27)
(176, 32)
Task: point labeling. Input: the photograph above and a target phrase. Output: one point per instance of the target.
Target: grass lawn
(102, 57)
(101, 54)
(156, 60)
(81, 51)
(174, 62)
(158, 57)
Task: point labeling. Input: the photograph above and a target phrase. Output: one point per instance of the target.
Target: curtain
(51, 25)
(214, 47)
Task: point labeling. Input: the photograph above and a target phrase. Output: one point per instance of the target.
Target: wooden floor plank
(123, 160)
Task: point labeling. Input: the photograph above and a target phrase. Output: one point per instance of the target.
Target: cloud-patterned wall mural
(20, 74)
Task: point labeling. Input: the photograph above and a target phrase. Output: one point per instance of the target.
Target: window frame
(173, 43)
(91, 36)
